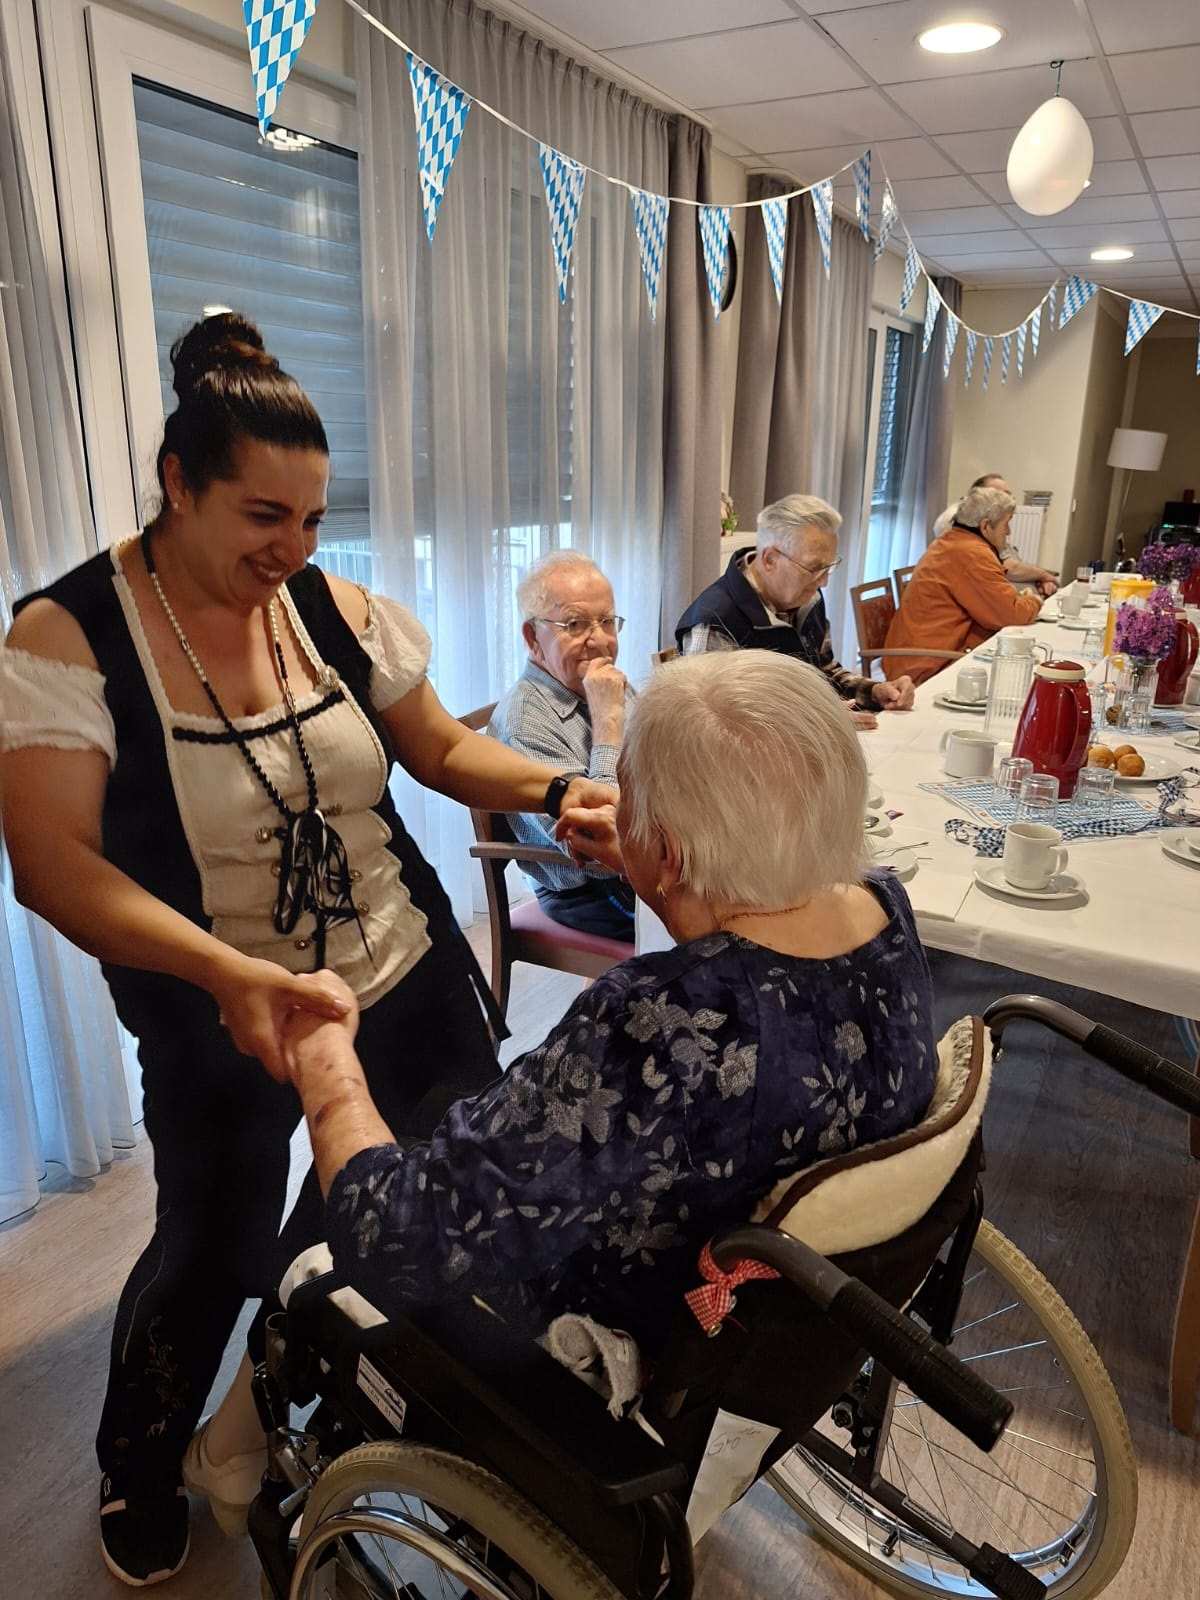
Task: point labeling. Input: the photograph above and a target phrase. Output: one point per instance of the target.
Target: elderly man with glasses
(568, 708)
(769, 598)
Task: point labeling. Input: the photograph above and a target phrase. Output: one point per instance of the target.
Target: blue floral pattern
(674, 1094)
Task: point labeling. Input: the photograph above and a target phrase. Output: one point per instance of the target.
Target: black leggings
(221, 1129)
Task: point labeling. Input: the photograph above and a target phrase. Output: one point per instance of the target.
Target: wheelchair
(927, 1405)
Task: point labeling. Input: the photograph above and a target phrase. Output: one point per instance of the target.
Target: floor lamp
(1134, 450)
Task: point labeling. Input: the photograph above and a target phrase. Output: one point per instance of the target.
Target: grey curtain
(692, 402)
(800, 411)
(926, 471)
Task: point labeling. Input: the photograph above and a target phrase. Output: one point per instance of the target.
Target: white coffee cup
(1010, 642)
(1070, 603)
(1101, 582)
(1033, 854)
(971, 682)
(967, 753)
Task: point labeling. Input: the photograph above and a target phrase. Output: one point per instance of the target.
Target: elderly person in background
(1016, 570)
(569, 706)
(769, 598)
(959, 595)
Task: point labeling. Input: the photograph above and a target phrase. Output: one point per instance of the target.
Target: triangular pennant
(1075, 296)
(1051, 307)
(1035, 327)
(276, 29)
(714, 244)
(951, 339)
(1005, 356)
(774, 215)
(563, 180)
(972, 336)
(822, 201)
(650, 213)
(1022, 334)
(912, 269)
(1142, 317)
(887, 220)
(988, 344)
(862, 193)
(933, 304)
(441, 109)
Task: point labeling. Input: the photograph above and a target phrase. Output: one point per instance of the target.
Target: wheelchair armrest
(496, 851)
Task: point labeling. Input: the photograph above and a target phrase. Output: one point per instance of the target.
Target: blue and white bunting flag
(650, 213)
(950, 340)
(887, 219)
(912, 270)
(972, 337)
(563, 180)
(1051, 306)
(933, 304)
(774, 215)
(1142, 317)
(1075, 296)
(822, 201)
(714, 244)
(862, 193)
(988, 344)
(276, 29)
(1022, 335)
(1005, 356)
(440, 108)
(1035, 327)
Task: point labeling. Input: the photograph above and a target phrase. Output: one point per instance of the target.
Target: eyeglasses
(581, 627)
(813, 572)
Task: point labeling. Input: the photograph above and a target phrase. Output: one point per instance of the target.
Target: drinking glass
(1137, 710)
(1094, 791)
(1010, 775)
(1083, 574)
(1038, 800)
(1102, 697)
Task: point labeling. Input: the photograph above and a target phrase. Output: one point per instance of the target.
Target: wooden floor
(1089, 1177)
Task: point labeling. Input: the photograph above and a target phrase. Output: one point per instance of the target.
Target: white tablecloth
(1138, 935)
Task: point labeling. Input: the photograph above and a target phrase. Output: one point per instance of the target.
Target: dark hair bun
(226, 341)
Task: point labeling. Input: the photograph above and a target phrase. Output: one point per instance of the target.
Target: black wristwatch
(555, 791)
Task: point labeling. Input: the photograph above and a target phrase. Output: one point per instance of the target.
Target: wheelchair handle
(911, 1354)
(1167, 1079)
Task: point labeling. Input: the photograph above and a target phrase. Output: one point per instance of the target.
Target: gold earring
(662, 893)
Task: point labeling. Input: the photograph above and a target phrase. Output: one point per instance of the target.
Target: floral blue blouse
(674, 1094)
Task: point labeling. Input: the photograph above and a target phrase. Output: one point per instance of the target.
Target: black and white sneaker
(143, 1539)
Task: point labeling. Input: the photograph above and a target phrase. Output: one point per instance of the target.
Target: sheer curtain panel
(924, 480)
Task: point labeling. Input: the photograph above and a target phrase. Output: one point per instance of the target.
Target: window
(889, 397)
(274, 233)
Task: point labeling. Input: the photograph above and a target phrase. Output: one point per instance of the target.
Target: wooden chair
(1185, 1343)
(659, 658)
(901, 579)
(874, 607)
(524, 932)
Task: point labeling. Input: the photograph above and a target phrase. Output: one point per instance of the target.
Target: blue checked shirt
(546, 721)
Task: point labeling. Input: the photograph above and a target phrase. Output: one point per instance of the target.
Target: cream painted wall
(1103, 401)
(1029, 428)
(1167, 399)
(330, 42)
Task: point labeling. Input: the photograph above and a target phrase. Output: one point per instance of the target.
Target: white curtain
(63, 1091)
(504, 423)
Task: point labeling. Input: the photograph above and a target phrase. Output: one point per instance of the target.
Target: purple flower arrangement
(1163, 562)
(1146, 628)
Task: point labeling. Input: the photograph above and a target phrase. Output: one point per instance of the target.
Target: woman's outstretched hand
(590, 834)
(256, 999)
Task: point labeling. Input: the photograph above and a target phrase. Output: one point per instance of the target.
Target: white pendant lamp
(1051, 157)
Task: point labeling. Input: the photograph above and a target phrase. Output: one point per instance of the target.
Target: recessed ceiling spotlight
(1112, 252)
(960, 38)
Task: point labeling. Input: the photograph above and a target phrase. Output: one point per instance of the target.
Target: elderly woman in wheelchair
(777, 1065)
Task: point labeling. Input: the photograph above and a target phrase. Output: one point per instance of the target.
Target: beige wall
(1103, 401)
(1167, 400)
(1029, 428)
(330, 42)
(886, 286)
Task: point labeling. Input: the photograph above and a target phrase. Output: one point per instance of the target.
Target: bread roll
(1131, 765)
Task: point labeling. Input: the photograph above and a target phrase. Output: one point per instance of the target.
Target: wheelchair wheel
(440, 1527)
(1059, 1491)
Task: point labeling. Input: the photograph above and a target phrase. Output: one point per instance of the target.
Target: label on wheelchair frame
(386, 1400)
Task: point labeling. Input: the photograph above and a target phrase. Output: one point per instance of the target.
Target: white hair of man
(978, 506)
(781, 526)
(748, 761)
(535, 590)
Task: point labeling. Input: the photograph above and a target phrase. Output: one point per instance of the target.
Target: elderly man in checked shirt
(769, 598)
(568, 708)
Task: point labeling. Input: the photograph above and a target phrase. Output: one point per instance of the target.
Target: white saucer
(949, 703)
(1158, 768)
(1078, 624)
(1183, 844)
(876, 826)
(904, 864)
(1063, 886)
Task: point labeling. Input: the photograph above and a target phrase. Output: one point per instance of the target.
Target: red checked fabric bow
(713, 1301)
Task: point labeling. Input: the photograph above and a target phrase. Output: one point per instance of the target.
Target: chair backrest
(902, 577)
(659, 658)
(478, 720)
(874, 607)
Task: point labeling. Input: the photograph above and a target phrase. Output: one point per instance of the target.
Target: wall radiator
(1025, 532)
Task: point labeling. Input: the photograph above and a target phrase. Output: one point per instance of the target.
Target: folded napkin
(1077, 822)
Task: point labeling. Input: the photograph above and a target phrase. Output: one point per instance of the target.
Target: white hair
(781, 525)
(945, 520)
(533, 591)
(749, 761)
(978, 506)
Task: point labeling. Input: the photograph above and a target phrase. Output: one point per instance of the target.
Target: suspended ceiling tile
(883, 39)
(967, 244)
(969, 102)
(1174, 172)
(746, 64)
(1104, 208)
(626, 22)
(808, 165)
(928, 194)
(927, 223)
(1181, 203)
(1000, 258)
(824, 8)
(1114, 177)
(810, 122)
(1158, 80)
(1079, 255)
(1095, 234)
(1168, 133)
(1124, 26)
(1185, 227)
(912, 158)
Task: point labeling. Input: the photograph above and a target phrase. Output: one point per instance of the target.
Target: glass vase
(1134, 681)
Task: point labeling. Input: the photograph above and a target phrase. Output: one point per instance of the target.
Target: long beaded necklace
(314, 871)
